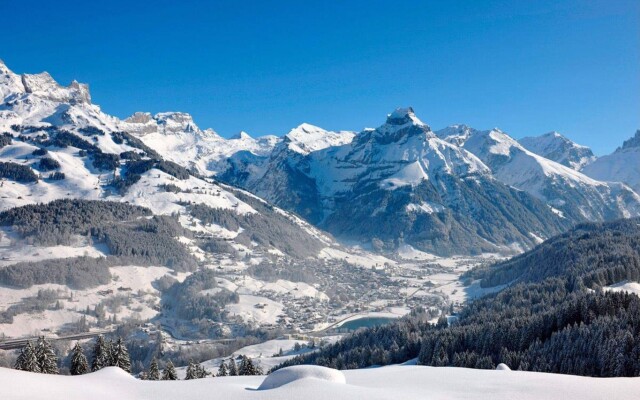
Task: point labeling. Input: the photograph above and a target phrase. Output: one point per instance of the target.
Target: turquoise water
(366, 322)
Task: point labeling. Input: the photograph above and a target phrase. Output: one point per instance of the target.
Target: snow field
(394, 382)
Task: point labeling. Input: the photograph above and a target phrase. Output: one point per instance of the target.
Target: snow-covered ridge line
(330, 166)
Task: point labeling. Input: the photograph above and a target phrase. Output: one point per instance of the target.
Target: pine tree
(191, 371)
(233, 368)
(110, 354)
(120, 355)
(169, 373)
(101, 354)
(27, 360)
(244, 368)
(47, 359)
(79, 364)
(222, 370)
(247, 367)
(154, 373)
(201, 372)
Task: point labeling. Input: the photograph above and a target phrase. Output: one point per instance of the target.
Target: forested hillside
(597, 254)
(556, 318)
(132, 235)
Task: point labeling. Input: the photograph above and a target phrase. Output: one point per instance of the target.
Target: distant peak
(633, 142)
(43, 85)
(400, 124)
(402, 116)
(307, 128)
(81, 90)
(3, 68)
(173, 115)
(139, 118)
(174, 121)
(306, 138)
(241, 135)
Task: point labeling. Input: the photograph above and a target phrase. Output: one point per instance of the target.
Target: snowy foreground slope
(396, 382)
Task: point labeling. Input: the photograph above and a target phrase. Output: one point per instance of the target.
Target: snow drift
(291, 374)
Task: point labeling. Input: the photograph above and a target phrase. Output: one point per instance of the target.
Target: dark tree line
(41, 357)
(130, 239)
(77, 273)
(56, 222)
(105, 161)
(17, 172)
(124, 137)
(62, 138)
(150, 241)
(91, 131)
(598, 253)
(138, 167)
(5, 139)
(57, 176)
(48, 164)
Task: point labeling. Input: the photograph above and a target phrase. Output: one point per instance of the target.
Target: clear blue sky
(527, 67)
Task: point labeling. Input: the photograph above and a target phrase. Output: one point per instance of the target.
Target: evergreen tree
(222, 370)
(233, 368)
(79, 364)
(192, 372)
(27, 360)
(111, 353)
(201, 372)
(169, 373)
(47, 359)
(101, 354)
(120, 355)
(247, 367)
(154, 373)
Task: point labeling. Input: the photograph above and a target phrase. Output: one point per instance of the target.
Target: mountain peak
(174, 121)
(3, 68)
(633, 142)
(241, 135)
(557, 147)
(81, 90)
(139, 118)
(306, 129)
(306, 138)
(402, 116)
(400, 124)
(43, 85)
(554, 134)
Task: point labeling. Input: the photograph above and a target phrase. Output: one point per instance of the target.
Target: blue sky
(527, 67)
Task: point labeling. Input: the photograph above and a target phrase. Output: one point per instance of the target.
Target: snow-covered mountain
(570, 193)
(397, 184)
(558, 148)
(307, 138)
(354, 190)
(455, 190)
(57, 144)
(622, 165)
(176, 137)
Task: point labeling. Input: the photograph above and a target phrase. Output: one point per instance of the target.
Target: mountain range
(457, 190)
